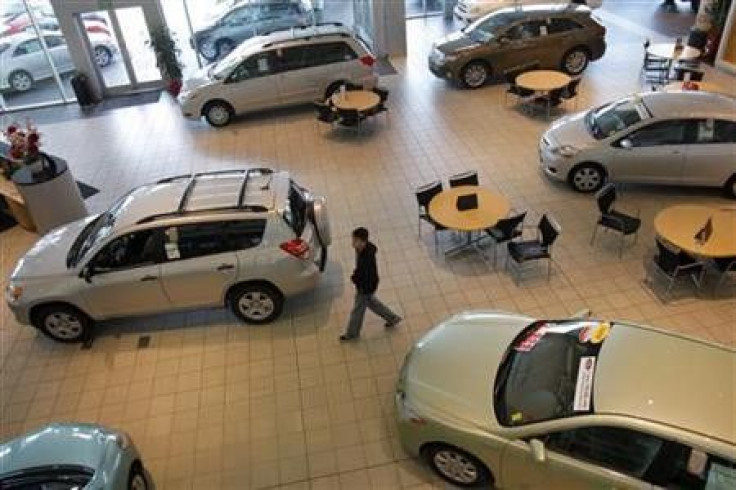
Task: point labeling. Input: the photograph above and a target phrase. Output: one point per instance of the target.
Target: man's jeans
(368, 301)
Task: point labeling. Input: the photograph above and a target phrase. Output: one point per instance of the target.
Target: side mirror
(539, 452)
(87, 272)
(626, 144)
(503, 40)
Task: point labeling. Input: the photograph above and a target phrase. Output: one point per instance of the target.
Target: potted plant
(167, 57)
(24, 143)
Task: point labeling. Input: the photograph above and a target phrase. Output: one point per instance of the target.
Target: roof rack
(293, 30)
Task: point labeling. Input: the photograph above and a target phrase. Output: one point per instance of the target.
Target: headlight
(568, 151)
(407, 411)
(121, 440)
(13, 293)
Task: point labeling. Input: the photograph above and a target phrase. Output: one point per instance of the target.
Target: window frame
(92, 263)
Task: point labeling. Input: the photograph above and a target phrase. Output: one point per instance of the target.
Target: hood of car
(199, 79)
(47, 257)
(451, 370)
(569, 130)
(56, 444)
(455, 42)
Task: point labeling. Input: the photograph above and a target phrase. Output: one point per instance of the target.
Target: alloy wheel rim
(225, 48)
(456, 467)
(63, 325)
(218, 114)
(102, 57)
(138, 483)
(587, 179)
(208, 50)
(475, 76)
(21, 82)
(576, 62)
(256, 305)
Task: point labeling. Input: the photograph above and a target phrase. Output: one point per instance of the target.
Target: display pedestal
(51, 197)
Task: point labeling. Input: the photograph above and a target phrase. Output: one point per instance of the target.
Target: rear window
(295, 214)
(327, 53)
(203, 239)
(4, 47)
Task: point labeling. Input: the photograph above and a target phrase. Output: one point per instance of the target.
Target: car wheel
(475, 74)
(256, 303)
(457, 466)
(208, 50)
(62, 323)
(224, 46)
(103, 56)
(20, 81)
(575, 61)
(588, 177)
(218, 113)
(731, 186)
(137, 479)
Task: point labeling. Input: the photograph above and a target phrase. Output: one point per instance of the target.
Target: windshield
(547, 372)
(486, 28)
(222, 68)
(612, 118)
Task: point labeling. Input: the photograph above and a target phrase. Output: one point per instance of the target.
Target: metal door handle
(149, 278)
(225, 267)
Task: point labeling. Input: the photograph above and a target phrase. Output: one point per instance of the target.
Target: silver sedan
(678, 138)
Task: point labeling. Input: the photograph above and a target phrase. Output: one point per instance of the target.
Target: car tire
(587, 177)
(256, 303)
(456, 466)
(575, 61)
(224, 47)
(475, 74)
(730, 187)
(103, 56)
(208, 50)
(218, 113)
(20, 81)
(62, 323)
(137, 478)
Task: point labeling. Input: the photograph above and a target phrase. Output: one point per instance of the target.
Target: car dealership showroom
(334, 244)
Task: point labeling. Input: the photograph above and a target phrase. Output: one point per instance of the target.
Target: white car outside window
(470, 10)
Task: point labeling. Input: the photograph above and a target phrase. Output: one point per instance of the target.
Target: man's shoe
(392, 323)
(347, 338)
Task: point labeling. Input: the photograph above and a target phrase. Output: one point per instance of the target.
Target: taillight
(296, 247)
(368, 60)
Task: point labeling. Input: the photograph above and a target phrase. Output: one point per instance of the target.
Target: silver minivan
(291, 67)
(245, 239)
(678, 138)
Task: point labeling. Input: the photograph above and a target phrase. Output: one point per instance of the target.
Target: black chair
(571, 91)
(509, 77)
(424, 195)
(540, 248)
(352, 86)
(466, 178)
(724, 266)
(382, 94)
(505, 230)
(381, 107)
(676, 264)
(349, 117)
(612, 219)
(654, 67)
(681, 73)
(325, 112)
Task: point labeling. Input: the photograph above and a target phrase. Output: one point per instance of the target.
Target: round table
(679, 225)
(543, 80)
(360, 100)
(669, 51)
(702, 87)
(491, 208)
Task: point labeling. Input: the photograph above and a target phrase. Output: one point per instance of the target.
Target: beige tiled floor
(216, 404)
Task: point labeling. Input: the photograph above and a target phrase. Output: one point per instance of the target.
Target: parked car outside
(504, 400)
(72, 456)
(683, 138)
(564, 37)
(245, 20)
(469, 11)
(47, 21)
(295, 66)
(245, 239)
(23, 62)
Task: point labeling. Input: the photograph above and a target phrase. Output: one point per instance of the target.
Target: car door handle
(149, 278)
(225, 267)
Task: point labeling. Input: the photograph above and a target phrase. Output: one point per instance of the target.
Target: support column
(389, 27)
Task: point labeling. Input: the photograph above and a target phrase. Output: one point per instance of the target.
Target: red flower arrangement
(25, 142)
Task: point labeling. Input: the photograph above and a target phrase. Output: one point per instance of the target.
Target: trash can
(80, 85)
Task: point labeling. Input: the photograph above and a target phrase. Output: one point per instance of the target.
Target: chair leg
(549, 269)
(595, 233)
(495, 254)
(621, 246)
(668, 292)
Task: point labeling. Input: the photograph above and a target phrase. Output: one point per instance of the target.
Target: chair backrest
(382, 93)
(647, 43)
(695, 75)
(349, 117)
(507, 225)
(352, 86)
(426, 192)
(549, 230)
(571, 90)
(667, 259)
(557, 93)
(605, 198)
(465, 178)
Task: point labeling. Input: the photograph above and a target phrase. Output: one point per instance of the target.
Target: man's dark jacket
(365, 275)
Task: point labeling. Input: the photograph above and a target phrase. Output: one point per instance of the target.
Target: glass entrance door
(424, 8)
(124, 59)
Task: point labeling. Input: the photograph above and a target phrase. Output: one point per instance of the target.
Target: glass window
(485, 29)
(679, 467)
(296, 213)
(27, 47)
(323, 54)
(724, 131)
(526, 30)
(660, 133)
(135, 249)
(239, 17)
(562, 24)
(292, 58)
(622, 450)
(203, 239)
(613, 118)
(259, 65)
(54, 41)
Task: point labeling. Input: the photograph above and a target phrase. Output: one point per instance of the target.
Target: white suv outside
(286, 67)
(468, 11)
(245, 239)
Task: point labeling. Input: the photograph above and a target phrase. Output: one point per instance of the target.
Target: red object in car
(296, 247)
(368, 60)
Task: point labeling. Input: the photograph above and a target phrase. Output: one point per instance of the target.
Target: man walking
(365, 279)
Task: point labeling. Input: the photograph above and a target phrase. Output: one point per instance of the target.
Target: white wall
(389, 26)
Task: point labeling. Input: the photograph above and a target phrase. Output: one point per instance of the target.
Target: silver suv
(245, 239)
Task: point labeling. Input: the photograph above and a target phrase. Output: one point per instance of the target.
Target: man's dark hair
(361, 234)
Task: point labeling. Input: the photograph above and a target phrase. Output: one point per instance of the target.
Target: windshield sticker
(531, 340)
(172, 251)
(517, 417)
(584, 384)
(584, 334)
(600, 333)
